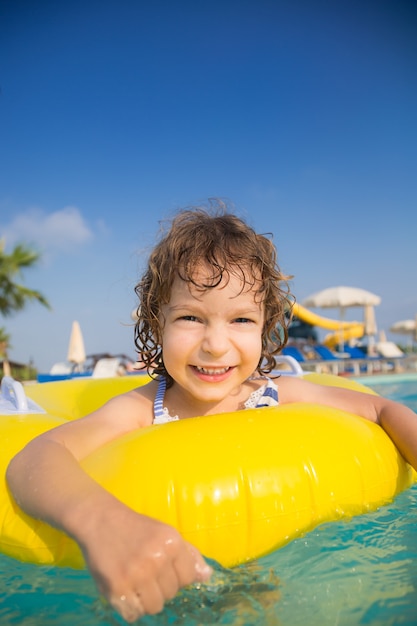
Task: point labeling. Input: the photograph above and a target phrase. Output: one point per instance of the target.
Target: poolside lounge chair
(336, 363)
(354, 352)
(294, 352)
(389, 350)
(325, 353)
(394, 357)
(320, 364)
(355, 361)
(108, 367)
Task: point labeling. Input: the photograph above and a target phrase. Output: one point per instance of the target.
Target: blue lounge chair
(325, 354)
(337, 364)
(356, 362)
(354, 352)
(294, 352)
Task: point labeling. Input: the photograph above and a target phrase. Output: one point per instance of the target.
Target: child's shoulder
(290, 388)
(146, 391)
(137, 404)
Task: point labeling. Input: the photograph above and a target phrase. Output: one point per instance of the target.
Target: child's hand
(139, 563)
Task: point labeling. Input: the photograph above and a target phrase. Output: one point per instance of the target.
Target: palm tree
(4, 344)
(13, 295)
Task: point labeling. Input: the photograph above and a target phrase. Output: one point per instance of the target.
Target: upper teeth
(211, 371)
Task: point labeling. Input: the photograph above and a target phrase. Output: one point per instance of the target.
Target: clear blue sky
(113, 114)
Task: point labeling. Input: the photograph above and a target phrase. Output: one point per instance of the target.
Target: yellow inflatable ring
(236, 485)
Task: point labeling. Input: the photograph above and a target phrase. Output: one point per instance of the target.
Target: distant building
(301, 330)
(20, 371)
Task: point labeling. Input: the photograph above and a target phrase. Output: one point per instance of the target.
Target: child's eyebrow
(182, 306)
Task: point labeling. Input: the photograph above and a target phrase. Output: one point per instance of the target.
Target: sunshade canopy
(76, 350)
(341, 297)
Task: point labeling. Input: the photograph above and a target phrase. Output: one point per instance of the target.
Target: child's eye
(243, 320)
(189, 318)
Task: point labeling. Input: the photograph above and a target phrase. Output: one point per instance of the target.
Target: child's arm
(399, 422)
(137, 562)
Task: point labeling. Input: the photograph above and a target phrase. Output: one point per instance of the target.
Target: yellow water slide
(344, 330)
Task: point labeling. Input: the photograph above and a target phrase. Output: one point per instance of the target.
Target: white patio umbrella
(341, 298)
(382, 337)
(370, 327)
(346, 297)
(406, 327)
(369, 320)
(76, 351)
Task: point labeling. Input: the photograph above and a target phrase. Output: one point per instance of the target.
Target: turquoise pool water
(360, 571)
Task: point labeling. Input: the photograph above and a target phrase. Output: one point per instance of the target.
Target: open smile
(212, 371)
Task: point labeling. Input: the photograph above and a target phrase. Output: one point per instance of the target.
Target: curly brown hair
(227, 245)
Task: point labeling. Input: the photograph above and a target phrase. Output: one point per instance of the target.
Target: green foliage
(13, 295)
(29, 372)
(407, 349)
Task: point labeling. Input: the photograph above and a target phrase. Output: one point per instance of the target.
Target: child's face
(212, 339)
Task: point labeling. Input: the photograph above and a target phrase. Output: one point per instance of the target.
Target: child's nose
(215, 340)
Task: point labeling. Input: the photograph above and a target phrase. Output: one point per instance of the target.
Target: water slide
(344, 330)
